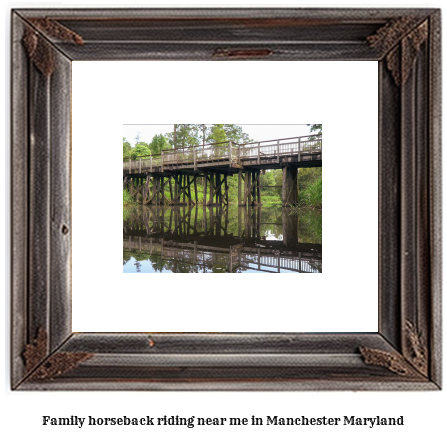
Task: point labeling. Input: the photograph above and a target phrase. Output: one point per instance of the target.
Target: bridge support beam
(258, 189)
(289, 186)
(247, 192)
(211, 200)
(251, 194)
(239, 188)
(205, 186)
(156, 188)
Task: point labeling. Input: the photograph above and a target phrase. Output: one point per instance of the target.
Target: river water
(218, 239)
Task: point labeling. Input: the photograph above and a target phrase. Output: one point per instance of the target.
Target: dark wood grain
(19, 197)
(389, 207)
(39, 200)
(435, 196)
(280, 16)
(60, 214)
(405, 354)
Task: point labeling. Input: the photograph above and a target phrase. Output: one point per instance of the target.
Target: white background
(249, 92)
(21, 412)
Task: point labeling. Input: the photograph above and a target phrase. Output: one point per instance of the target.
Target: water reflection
(221, 239)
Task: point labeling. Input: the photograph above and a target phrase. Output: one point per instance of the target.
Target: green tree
(139, 150)
(126, 148)
(236, 134)
(277, 173)
(268, 179)
(308, 176)
(318, 129)
(158, 143)
(192, 135)
(184, 135)
(203, 128)
(217, 134)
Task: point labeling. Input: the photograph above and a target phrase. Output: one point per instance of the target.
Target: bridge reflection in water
(215, 239)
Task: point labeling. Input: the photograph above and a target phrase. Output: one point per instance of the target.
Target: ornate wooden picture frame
(405, 354)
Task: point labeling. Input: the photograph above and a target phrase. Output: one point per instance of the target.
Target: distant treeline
(186, 136)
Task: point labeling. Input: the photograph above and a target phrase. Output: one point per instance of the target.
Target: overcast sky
(256, 132)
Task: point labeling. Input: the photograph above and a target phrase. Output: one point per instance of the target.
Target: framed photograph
(49, 353)
(213, 198)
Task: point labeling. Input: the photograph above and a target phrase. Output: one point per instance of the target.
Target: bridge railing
(198, 154)
(155, 161)
(312, 144)
(284, 146)
(177, 156)
(144, 162)
(235, 153)
(213, 151)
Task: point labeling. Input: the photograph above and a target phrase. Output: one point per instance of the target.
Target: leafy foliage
(217, 134)
(312, 196)
(126, 148)
(139, 150)
(187, 135)
(127, 200)
(158, 143)
(183, 135)
(268, 179)
(236, 134)
(318, 129)
(307, 176)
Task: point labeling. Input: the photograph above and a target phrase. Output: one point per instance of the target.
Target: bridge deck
(230, 157)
